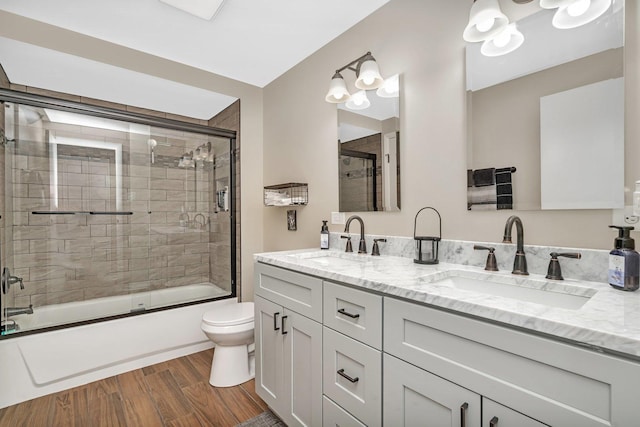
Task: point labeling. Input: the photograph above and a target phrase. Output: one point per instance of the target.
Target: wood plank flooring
(175, 393)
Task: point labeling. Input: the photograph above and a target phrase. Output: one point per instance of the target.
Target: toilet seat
(230, 315)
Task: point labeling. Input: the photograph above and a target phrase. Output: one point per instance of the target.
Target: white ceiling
(253, 41)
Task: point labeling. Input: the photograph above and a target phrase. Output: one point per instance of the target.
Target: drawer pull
(283, 331)
(346, 313)
(342, 374)
(275, 321)
(493, 422)
(463, 414)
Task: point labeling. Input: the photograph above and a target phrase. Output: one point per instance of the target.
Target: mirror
(368, 153)
(546, 121)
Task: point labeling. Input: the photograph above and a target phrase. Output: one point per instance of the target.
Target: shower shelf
(79, 212)
(289, 194)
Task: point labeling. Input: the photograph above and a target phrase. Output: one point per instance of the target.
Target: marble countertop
(594, 314)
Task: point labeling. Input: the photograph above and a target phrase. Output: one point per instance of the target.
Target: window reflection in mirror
(507, 96)
(369, 163)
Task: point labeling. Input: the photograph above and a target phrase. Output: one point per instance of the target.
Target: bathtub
(60, 314)
(47, 362)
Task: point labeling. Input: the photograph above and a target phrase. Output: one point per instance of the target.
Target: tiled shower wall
(70, 258)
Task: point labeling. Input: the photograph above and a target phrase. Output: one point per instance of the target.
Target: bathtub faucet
(14, 311)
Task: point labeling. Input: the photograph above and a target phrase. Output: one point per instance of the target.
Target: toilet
(230, 327)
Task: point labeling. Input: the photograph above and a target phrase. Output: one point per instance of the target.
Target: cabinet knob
(493, 422)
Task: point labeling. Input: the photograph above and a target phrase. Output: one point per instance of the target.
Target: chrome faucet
(520, 261)
(14, 311)
(362, 246)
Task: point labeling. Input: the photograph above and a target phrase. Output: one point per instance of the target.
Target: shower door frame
(7, 95)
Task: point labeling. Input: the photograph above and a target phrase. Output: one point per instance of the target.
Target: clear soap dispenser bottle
(624, 262)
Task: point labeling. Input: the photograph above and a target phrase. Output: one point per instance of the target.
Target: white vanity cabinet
(333, 355)
(522, 379)
(288, 337)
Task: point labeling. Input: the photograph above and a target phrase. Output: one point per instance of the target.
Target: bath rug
(265, 419)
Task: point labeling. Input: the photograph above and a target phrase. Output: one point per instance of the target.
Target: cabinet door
(269, 353)
(496, 415)
(302, 370)
(413, 397)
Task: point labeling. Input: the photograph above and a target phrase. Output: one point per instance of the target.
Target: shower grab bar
(80, 212)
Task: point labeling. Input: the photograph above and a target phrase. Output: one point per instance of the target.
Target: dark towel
(504, 189)
(484, 177)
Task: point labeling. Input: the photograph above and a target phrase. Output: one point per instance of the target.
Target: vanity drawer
(355, 313)
(352, 376)
(296, 291)
(334, 416)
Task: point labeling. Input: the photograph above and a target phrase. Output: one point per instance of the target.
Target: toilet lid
(230, 314)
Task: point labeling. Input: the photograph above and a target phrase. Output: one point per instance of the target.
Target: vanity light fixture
(488, 24)
(575, 13)
(390, 88)
(507, 41)
(337, 90)
(358, 101)
(486, 20)
(368, 77)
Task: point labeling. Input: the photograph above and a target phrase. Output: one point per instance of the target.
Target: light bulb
(338, 95)
(368, 79)
(578, 7)
(485, 25)
(502, 39)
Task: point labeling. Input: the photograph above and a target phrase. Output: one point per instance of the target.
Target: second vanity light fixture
(367, 77)
(489, 25)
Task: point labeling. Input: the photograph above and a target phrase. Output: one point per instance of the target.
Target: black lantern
(427, 246)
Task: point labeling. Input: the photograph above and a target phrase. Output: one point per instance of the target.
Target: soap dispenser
(324, 235)
(624, 261)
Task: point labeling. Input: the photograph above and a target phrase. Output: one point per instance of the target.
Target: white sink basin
(544, 292)
(336, 259)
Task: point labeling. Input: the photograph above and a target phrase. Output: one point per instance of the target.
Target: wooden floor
(173, 393)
